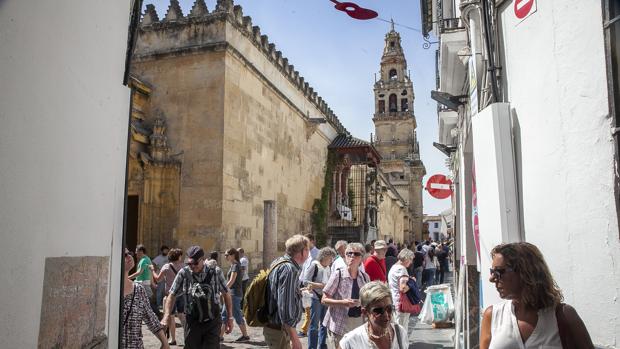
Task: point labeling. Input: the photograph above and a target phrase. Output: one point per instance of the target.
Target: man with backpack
(201, 288)
(283, 305)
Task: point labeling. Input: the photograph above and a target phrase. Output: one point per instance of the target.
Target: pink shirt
(339, 286)
(169, 274)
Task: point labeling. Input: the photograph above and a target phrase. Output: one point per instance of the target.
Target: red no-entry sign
(439, 186)
(524, 8)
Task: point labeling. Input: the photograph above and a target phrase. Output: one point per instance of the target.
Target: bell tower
(395, 131)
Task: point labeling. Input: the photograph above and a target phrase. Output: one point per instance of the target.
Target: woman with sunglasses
(341, 296)
(532, 315)
(136, 308)
(234, 285)
(380, 332)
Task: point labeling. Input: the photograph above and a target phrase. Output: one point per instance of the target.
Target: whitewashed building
(65, 114)
(528, 116)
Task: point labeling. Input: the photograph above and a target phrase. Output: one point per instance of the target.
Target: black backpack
(201, 306)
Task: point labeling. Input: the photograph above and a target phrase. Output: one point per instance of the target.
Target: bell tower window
(393, 103)
(381, 106)
(404, 104)
(393, 75)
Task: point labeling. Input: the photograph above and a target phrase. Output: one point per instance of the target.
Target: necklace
(374, 336)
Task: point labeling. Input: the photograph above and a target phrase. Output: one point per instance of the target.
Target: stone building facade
(246, 139)
(395, 132)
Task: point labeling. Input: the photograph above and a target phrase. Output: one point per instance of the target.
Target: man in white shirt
(312, 256)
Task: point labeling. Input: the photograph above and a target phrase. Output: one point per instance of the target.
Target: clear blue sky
(339, 57)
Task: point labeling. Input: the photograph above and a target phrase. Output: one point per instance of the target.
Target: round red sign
(439, 186)
(523, 8)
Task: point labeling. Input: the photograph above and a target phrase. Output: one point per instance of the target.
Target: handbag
(406, 306)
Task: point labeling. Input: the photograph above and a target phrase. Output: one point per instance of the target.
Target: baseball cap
(380, 245)
(195, 253)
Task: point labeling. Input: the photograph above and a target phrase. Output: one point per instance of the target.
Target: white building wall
(63, 136)
(556, 84)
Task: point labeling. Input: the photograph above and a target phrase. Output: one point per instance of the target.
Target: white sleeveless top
(505, 330)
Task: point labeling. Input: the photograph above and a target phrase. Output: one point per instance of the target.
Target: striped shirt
(182, 283)
(284, 293)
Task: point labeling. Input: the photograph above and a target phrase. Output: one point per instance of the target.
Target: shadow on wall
(516, 139)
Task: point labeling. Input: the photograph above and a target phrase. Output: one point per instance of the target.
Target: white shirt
(505, 330)
(358, 338)
(245, 263)
(314, 252)
(160, 261)
(396, 272)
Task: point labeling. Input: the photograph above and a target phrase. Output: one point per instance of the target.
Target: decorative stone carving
(174, 12)
(199, 9)
(150, 15)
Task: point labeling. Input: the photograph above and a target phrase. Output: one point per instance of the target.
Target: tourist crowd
(349, 296)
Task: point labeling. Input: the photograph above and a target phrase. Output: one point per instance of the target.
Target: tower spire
(392, 20)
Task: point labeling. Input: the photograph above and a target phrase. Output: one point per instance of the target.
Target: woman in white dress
(532, 315)
(379, 332)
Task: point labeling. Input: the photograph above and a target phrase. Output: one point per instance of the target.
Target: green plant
(320, 207)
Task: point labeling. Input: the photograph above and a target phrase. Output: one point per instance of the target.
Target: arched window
(393, 103)
(404, 105)
(381, 106)
(393, 75)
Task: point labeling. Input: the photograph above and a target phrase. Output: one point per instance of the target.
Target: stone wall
(392, 213)
(245, 122)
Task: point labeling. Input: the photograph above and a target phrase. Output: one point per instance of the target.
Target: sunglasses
(499, 272)
(381, 310)
(352, 254)
(127, 254)
(194, 263)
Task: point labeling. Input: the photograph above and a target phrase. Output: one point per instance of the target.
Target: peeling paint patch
(73, 308)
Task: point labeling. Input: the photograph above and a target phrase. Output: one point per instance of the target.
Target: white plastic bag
(426, 315)
(438, 306)
(306, 299)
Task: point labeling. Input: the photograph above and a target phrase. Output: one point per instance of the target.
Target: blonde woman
(380, 332)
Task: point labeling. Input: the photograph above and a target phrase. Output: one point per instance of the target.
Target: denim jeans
(237, 313)
(317, 334)
(418, 276)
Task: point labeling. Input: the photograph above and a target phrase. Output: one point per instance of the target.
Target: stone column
(270, 232)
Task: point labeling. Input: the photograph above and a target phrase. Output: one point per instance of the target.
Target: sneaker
(301, 334)
(243, 339)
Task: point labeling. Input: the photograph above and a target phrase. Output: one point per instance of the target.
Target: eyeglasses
(352, 254)
(499, 272)
(381, 310)
(193, 263)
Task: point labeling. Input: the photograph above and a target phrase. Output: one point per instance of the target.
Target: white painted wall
(556, 84)
(63, 134)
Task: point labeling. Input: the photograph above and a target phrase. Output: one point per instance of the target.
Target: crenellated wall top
(203, 34)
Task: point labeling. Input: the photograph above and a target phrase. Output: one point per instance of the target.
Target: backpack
(201, 305)
(255, 301)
